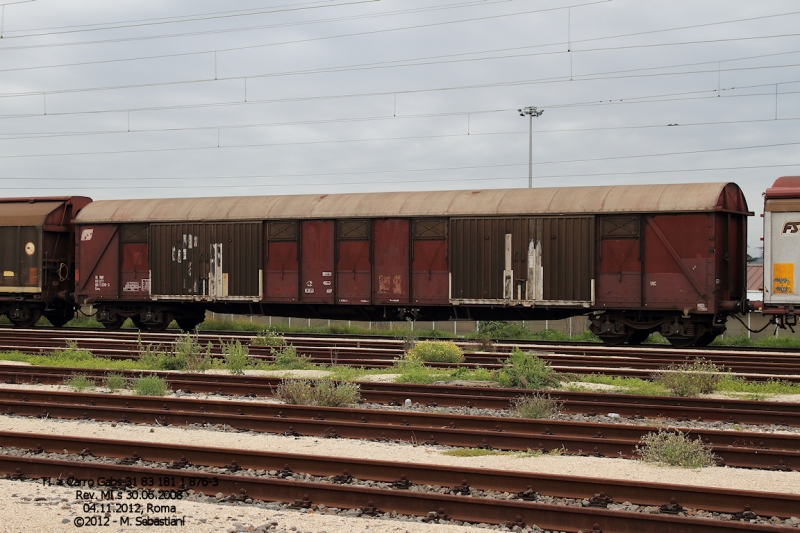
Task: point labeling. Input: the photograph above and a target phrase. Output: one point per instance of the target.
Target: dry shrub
(435, 352)
(323, 392)
(701, 377)
(538, 406)
(675, 449)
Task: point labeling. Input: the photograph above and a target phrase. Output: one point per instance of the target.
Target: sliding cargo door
(567, 260)
(206, 261)
(525, 260)
(483, 252)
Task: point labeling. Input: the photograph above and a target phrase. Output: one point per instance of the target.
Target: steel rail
(588, 403)
(751, 450)
(574, 487)
(375, 500)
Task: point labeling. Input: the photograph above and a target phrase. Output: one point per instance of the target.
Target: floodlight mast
(530, 112)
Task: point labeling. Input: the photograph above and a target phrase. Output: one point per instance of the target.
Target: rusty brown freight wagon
(636, 259)
(36, 258)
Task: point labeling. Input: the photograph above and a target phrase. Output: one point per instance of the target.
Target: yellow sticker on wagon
(783, 278)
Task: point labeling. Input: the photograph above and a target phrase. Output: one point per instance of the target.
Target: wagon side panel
(391, 264)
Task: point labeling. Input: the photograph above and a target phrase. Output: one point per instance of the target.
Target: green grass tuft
(115, 382)
(675, 449)
(79, 383)
(628, 385)
(269, 337)
(700, 377)
(287, 359)
(150, 386)
(236, 357)
(526, 371)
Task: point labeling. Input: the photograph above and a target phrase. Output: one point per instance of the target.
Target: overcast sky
(178, 98)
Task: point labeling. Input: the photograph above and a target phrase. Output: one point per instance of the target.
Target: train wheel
(610, 339)
(28, 319)
(638, 336)
(161, 325)
(680, 341)
(706, 338)
(56, 319)
(114, 323)
(189, 323)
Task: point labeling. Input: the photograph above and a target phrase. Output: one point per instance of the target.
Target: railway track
(339, 483)
(376, 352)
(587, 403)
(733, 448)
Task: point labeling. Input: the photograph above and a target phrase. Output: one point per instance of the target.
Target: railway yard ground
(99, 435)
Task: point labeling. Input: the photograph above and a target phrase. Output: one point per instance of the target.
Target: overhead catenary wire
(297, 41)
(655, 98)
(539, 163)
(677, 93)
(390, 63)
(394, 181)
(217, 128)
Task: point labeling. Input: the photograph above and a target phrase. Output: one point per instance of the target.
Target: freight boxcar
(37, 258)
(635, 259)
(781, 252)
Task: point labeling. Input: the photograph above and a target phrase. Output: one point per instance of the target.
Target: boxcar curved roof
(694, 197)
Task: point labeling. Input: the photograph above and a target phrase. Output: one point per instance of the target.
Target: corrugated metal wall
(568, 257)
(181, 257)
(19, 256)
(477, 256)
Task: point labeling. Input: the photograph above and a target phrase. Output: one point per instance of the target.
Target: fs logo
(791, 228)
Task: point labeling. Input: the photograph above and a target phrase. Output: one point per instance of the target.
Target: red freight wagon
(636, 259)
(36, 258)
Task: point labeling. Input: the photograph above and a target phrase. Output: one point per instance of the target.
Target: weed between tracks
(700, 377)
(79, 383)
(537, 406)
(235, 356)
(675, 449)
(150, 386)
(526, 371)
(185, 354)
(435, 352)
(287, 359)
(317, 392)
(116, 382)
